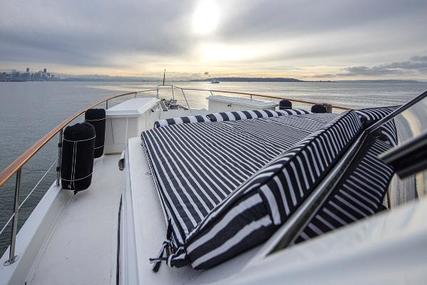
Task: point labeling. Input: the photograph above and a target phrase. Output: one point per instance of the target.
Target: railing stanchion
(12, 256)
(58, 166)
(186, 101)
(11, 170)
(157, 90)
(173, 93)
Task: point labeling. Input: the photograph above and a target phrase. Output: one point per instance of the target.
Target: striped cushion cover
(389, 132)
(250, 214)
(283, 132)
(252, 114)
(196, 166)
(371, 115)
(180, 120)
(359, 194)
(214, 159)
(294, 111)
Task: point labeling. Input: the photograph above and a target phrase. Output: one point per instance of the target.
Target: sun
(205, 17)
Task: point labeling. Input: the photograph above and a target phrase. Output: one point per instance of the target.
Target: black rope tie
(165, 249)
(162, 257)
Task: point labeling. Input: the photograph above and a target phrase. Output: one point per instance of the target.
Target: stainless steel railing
(212, 92)
(15, 168)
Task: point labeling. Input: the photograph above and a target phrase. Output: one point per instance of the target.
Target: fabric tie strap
(166, 245)
(165, 249)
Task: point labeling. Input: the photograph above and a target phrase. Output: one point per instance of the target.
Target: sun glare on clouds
(206, 17)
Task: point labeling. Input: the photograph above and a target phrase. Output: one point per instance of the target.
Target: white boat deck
(145, 230)
(82, 248)
(324, 254)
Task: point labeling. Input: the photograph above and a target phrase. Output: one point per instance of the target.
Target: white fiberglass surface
(150, 231)
(82, 247)
(386, 249)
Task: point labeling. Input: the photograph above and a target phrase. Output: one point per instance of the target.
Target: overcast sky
(328, 39)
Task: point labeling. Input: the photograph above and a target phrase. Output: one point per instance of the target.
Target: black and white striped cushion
(251, 213)
(371, 115)
(241, 115)
(197, 166)
(180, 120)
(359, 194)
(230, 152)
(295, 111)
(285, 131)
(252, 114)
(269, 197)
(389, 131)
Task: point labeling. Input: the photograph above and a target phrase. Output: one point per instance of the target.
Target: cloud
(273, 36)
(417, 64)
(295, 17)
(90, 32)
(419, 58)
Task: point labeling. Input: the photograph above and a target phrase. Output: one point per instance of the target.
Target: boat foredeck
(82, 247)
(147, 228)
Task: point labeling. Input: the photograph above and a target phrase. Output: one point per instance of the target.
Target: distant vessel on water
(215, 81)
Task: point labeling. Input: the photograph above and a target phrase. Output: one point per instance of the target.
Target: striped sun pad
(196, 166)
(361, 191)
(226, 186)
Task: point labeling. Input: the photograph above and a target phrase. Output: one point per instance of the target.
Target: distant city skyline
(27, 75)
(308, 40)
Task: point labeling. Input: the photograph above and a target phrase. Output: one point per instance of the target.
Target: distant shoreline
(249, 79)
(284, 79)
(220, 79)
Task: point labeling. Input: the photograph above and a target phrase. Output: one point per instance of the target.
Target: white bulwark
(128, 119)
(219, 103)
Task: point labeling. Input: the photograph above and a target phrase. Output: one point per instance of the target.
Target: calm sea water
(29, 110)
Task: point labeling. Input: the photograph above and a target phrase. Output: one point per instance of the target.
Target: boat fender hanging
(96, 117)
(285, 104)
(77, 156)
(319, 108)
